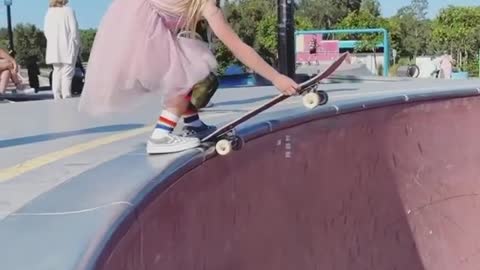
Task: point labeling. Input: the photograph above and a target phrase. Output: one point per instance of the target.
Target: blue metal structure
(385, 44)
(351, 44)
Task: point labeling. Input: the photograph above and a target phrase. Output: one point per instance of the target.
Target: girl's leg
(168, 119)
(193, 125)
(4, 78)
(162, 140)
(199, 96)
(192, 119)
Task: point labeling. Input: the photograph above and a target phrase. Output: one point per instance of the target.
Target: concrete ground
(47, 145)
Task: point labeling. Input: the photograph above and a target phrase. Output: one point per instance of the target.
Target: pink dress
(137, 55)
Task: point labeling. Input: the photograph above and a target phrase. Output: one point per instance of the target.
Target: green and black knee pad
(203, 91)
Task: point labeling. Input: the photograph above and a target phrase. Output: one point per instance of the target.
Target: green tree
(30, 43)
(395, 37)
(364, 19)
(419, 8)
(4, 38)
(325, 14)
(413, 29)
(255, 21)
(244, 17)
(87, 37)
(457, 31)
(371, 6)
(268, 38)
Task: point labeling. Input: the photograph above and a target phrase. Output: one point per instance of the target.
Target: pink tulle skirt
(137, 55)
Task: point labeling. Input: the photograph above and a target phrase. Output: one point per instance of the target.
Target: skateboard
(225, 139)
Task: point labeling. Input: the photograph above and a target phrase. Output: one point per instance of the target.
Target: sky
(90, 12)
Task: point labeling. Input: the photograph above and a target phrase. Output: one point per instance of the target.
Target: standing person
(63, 45)
(137, 52)
(446, 65)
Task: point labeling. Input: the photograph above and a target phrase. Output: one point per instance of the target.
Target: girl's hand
(285, 85)
(14, 66)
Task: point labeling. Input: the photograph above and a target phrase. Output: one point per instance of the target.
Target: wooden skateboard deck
(304, 87)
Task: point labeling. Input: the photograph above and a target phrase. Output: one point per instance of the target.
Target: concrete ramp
(389, 187)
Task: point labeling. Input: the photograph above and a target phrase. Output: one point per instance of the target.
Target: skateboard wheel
(314, 99)
(223, 147)
(311, 100)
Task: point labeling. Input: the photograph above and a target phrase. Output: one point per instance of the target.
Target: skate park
(384, 176)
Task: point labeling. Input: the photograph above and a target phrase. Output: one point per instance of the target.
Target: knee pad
(203, 91)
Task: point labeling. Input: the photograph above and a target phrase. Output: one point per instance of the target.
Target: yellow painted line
(21, 168)
(8, 174)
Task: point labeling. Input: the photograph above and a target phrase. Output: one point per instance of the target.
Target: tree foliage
(413, 29)
(255, 21)
(30, 43)
(457, 30)
(411, 33)
(367, 17)
(267, 35)
(4, 38)
(364, 19)
(87, 37)
(325, 14)
(244, 17)
(371, 6)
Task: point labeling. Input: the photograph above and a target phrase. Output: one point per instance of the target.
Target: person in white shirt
(63, 45)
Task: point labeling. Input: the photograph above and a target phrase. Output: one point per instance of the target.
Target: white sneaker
(170, 143)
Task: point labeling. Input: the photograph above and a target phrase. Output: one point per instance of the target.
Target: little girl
(138, 53)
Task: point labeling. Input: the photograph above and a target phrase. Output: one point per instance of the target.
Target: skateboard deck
(306, 86)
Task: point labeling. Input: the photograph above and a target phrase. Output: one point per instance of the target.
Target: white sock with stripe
(165, 124)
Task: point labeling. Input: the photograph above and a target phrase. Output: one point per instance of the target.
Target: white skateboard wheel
(223, 147)
(311, 100)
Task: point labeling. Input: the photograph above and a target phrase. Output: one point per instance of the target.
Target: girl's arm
(243, 52)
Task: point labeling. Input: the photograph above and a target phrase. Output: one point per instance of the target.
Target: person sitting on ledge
(9, 71)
